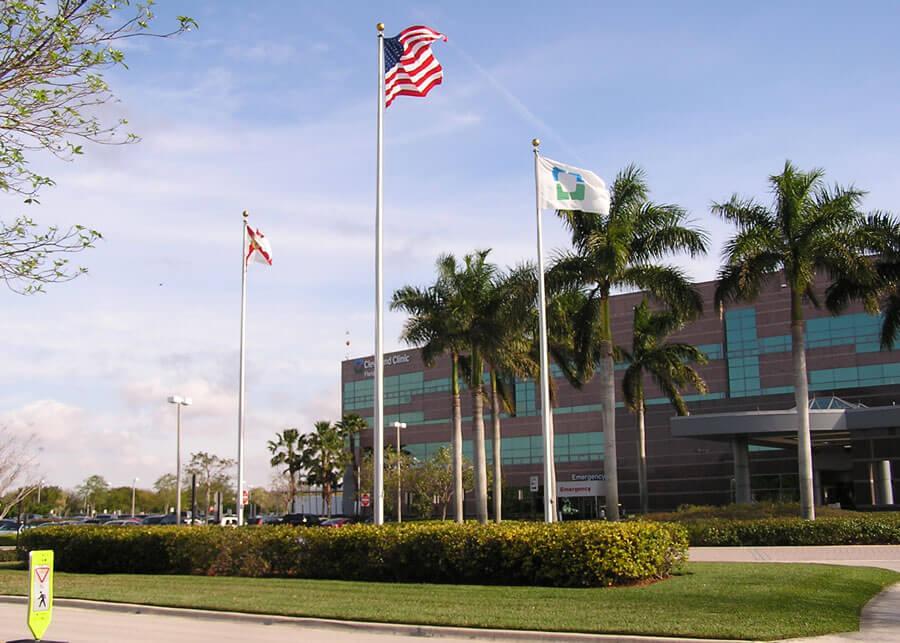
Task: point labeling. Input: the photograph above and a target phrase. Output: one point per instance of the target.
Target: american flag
(410, 69)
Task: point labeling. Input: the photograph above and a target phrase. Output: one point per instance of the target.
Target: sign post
(365, 499)
(40, 591)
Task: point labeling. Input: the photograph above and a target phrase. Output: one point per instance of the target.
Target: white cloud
(270, 53)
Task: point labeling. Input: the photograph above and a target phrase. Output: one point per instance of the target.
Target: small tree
(93, 491)
(432, 482)
(165, 487)
(52, 98)
(211, 471)
(18, 478)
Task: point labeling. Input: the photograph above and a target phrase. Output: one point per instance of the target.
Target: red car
(335, 522)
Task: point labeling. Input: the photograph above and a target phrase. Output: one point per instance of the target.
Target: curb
(429, 631)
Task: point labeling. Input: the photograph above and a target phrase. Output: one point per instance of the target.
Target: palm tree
(324, 458)
(619, 250)
(809, 228)
(285, 450)
(669, 366)
(434, 324)
(349, 427)
(481, 301)
(879, 289)
(507, 354)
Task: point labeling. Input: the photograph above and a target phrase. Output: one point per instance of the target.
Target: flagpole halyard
(240, 456)
(546, 411)
(378, 445)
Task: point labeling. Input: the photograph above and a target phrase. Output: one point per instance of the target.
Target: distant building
(745, 419)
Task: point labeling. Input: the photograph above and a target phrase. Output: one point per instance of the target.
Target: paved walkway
(85, 621)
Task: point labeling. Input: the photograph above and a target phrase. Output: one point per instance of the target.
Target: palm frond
(669, 285)
(890, 328)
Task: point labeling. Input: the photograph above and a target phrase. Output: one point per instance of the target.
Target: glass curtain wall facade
(749, 351)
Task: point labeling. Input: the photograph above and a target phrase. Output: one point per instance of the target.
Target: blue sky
(270, 107)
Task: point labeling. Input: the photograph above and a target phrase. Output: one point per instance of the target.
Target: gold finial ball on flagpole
(535, 142)
(246, 214)
(380, 26)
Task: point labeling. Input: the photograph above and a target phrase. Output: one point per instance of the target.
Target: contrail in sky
(517, 104)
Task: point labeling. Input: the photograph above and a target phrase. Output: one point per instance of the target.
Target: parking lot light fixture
(133, 483)
(398, 426)
(178, 401)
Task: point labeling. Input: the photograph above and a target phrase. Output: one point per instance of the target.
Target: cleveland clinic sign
(366, 365)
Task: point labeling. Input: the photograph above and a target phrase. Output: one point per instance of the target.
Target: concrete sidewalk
(886, 556)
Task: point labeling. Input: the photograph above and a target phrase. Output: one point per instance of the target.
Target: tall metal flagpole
(379, 298)
(240, 456)
(546, 411)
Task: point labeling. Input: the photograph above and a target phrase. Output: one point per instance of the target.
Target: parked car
(8, 526)
(301, 520)
(152, 520)
(336, 522)
(123, 521)
(53, 523)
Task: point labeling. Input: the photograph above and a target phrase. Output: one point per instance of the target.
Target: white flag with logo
(563, 187)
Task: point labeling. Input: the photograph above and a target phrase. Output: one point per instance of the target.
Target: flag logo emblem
(568, 185)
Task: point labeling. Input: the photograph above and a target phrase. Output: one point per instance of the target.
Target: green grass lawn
(716, 600)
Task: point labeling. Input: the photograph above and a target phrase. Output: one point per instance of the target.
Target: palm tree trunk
(458, 494)
(495, 443)
(642, 458)
(355, 476)
(608, 400)
(801, 398)
(292, 489)
(478, 454)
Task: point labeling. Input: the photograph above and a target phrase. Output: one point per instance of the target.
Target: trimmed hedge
(871, 529)
(576, 554)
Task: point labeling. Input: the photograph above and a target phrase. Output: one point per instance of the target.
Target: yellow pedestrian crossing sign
(40, 591)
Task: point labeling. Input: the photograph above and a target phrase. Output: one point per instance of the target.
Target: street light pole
(398, 426)
(179, 402)
(133, 483)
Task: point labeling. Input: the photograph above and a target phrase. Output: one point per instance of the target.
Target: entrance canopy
(828, 426)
